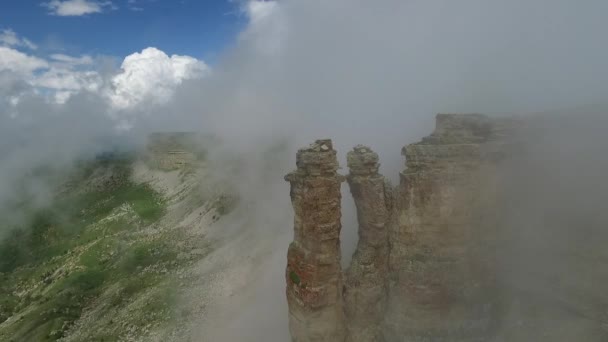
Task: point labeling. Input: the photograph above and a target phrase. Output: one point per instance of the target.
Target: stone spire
(313, 274)
(366, 279)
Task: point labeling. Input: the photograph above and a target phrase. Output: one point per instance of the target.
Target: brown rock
(421, 270)
(313, 274)
(440, 287)
(366, 279)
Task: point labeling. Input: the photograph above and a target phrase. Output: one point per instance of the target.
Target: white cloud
(66, 79)
(67, 76)
(259, 10)
(152, 76)
(267, 27)
(82, 60)
(14, 100)
(20, 63)
(8, 37)
(149, 77)
(63, 96)
(59, 76)
(76, 7)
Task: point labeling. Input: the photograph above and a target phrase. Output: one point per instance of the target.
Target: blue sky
(59, 48)
(199, 28)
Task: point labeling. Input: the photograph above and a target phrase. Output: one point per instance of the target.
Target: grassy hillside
(97, 263)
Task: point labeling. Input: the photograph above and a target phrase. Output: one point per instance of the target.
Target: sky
(117, 28)
(473, 56)
(359, 71)
(249, 69)
(126, 50)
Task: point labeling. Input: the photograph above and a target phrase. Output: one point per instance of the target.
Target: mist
(551, 224)
(359, 72)
(376, 73)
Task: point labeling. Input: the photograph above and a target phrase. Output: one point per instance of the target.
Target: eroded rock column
(313, 274)
(366, 282)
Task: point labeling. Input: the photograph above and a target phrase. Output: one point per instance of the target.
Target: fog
(376, 73)
(359, 72)
(551, 224)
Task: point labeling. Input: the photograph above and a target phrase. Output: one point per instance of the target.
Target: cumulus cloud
(76, 7)
(151, 76)
(148, 77)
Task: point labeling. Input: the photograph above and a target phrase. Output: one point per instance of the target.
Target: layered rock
(422, 269)
(365, 286)
(313, 273)
(442, 285)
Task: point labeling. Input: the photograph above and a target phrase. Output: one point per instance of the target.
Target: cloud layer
(76, 7)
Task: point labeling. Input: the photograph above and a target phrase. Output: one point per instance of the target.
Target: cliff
(441, 285)
(419, 272)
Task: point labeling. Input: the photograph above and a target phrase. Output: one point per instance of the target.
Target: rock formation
(441, 287)
(366, 279)
(418, 273)
(313, 274)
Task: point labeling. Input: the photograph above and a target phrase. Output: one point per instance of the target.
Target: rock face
(441, 287)
(313, 274)
(366, 279)
(420, 271)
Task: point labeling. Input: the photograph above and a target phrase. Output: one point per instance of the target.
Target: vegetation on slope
(88, 260)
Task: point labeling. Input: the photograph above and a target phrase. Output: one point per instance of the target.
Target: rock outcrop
(441, 287)
(365, 286)
(313, 273)
(421, 270)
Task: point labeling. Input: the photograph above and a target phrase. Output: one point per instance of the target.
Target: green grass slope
(94, 265)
